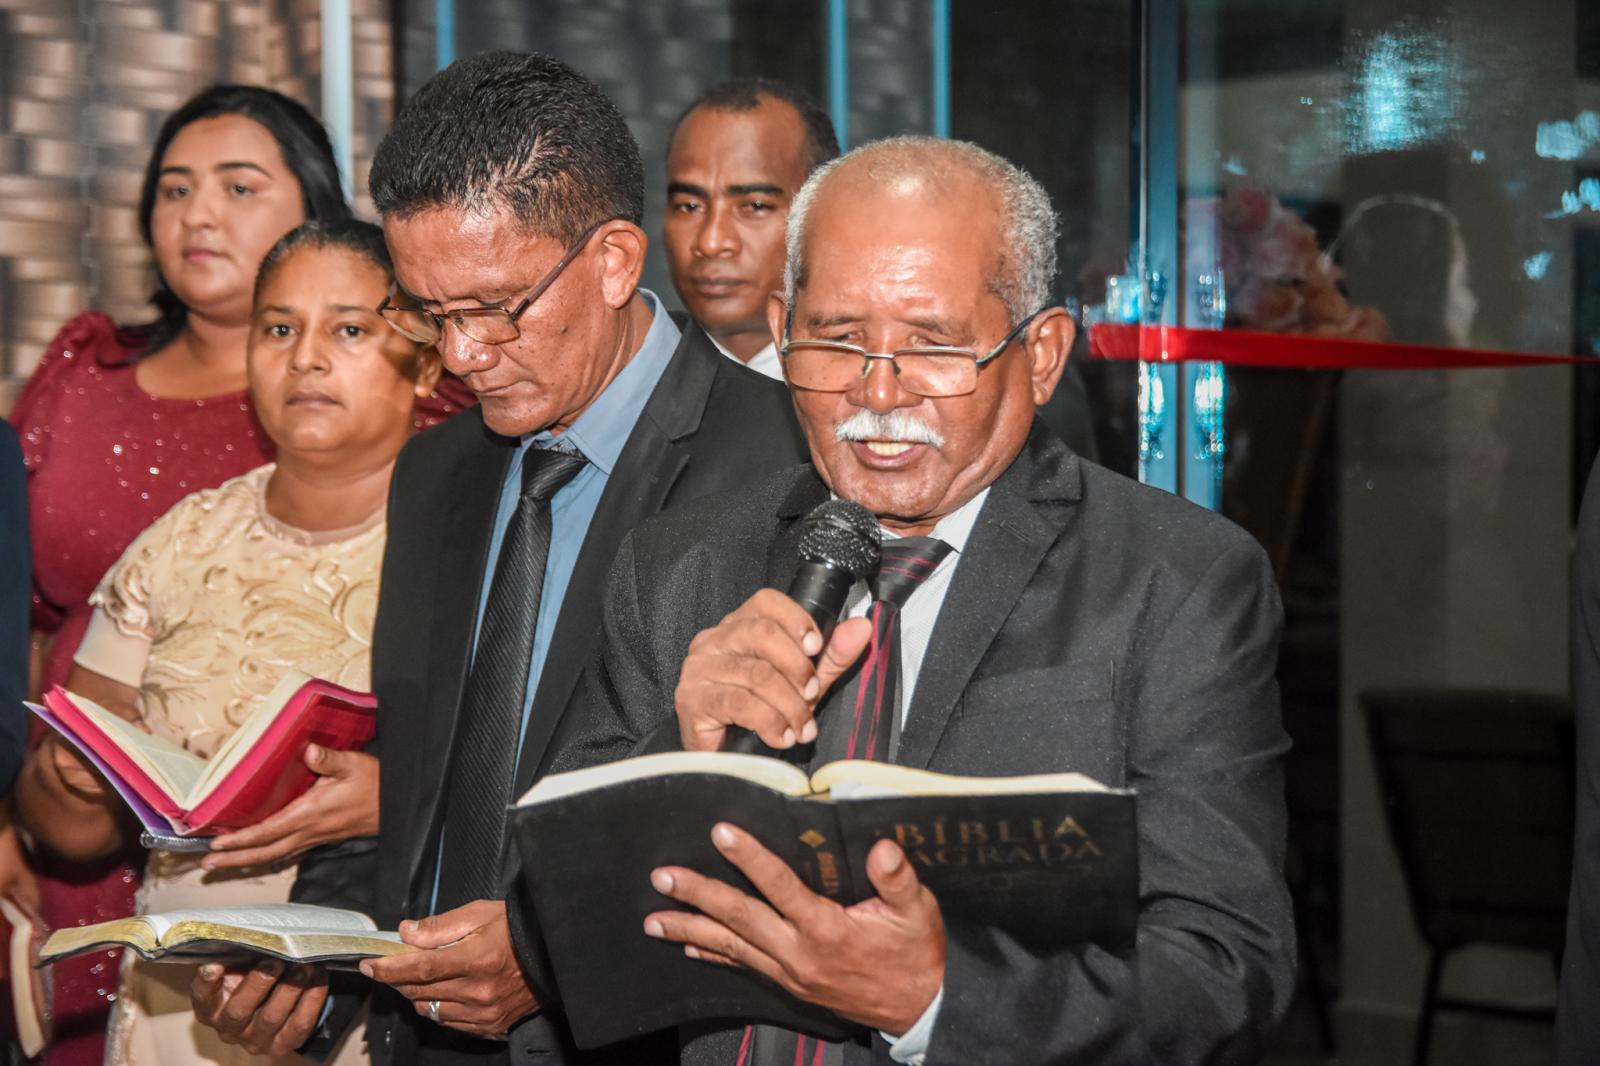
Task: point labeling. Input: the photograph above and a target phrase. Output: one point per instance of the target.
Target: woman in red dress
(118, 424)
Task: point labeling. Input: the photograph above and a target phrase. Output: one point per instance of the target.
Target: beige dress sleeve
(128, 605)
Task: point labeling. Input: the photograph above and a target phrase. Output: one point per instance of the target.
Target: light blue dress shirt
(599, 435)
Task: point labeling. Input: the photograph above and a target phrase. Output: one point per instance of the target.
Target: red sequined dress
(105, 459)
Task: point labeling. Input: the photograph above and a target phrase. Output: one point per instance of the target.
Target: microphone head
(844, 535)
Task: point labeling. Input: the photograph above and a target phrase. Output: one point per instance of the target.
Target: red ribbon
(1243, 347)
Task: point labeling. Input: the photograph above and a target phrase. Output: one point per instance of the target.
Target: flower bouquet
(1276, 278)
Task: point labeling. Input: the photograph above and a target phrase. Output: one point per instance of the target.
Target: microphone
(839, 545)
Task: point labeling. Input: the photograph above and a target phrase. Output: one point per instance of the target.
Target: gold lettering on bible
(828, 869)
(1008, 842)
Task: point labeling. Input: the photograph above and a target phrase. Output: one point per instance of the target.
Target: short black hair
(746, 94)
(518, 130)
(306, 151)
(346, 234)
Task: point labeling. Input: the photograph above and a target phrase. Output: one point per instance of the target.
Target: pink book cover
(111, 759)
(152, 819)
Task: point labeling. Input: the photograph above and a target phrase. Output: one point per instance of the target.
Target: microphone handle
(741, 741)
(822, 590)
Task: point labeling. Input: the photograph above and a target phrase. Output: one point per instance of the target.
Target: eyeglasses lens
(832, 368)
(489, 326)
(414, 324)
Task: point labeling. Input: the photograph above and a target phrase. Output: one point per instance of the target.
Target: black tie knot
(545, 470)
(906, 563)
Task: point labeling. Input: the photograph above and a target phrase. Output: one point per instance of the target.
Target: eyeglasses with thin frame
(933, 370)
(486, 325)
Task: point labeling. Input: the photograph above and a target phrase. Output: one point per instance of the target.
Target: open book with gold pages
(294, 932)
(1050, 859)
(250, 776)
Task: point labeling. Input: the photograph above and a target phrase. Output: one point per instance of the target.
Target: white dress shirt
(765, 361)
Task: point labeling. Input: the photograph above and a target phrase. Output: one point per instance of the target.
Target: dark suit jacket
(709, 425)
(1092, 624)
(1067, 413)
(1578, 1011)
(16, 566)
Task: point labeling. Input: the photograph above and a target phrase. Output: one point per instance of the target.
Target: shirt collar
(955, 527)
(768, 362)
(770, 349)
(602, 430)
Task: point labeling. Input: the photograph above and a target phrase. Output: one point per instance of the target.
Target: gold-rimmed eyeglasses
(927, 370)
(486, 325)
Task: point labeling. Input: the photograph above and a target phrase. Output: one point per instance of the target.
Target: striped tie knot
(545, 470)
(906, 563)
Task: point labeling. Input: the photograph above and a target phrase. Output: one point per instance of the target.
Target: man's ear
(1049, 341)
(429, 366)
(776, 310)
(622, 246)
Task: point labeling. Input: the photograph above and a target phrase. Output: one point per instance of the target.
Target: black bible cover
(1051, 859)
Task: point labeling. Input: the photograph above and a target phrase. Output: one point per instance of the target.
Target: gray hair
(1025, 266)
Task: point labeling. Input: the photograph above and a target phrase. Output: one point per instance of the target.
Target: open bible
(294, 932)
(252, 775)
(1050, 859)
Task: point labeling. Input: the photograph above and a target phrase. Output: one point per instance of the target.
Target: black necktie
(863, 726)
(483, 761)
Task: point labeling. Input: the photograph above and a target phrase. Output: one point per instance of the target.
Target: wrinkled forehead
(894, 246)
(771, 135)
(445, 254)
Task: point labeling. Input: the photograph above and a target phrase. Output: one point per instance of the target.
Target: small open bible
(294, 932)
(252, 775)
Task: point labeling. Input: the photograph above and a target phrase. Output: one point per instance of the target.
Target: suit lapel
(784, 555)
(650, 466)
(1015, 529)
(460, 578)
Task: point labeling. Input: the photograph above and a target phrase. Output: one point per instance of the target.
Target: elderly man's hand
(469, 978)
(753, 669)
(879, 963)
(342, 803)
(270, 1009)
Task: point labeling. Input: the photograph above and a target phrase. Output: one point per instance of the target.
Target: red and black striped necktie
(907, 563)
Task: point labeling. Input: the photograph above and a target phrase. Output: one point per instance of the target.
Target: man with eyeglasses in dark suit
(1033, 613)
(511, 193)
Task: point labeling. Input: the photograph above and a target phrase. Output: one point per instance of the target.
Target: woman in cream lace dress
(272, 571)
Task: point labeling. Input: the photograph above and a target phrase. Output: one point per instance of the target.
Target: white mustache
(897, 425)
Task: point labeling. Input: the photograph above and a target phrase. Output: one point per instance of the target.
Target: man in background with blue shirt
(512, 195)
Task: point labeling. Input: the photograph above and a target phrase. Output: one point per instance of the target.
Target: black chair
(1478, 792)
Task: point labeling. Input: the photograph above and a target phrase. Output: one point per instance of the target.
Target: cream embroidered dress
(203, 614)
